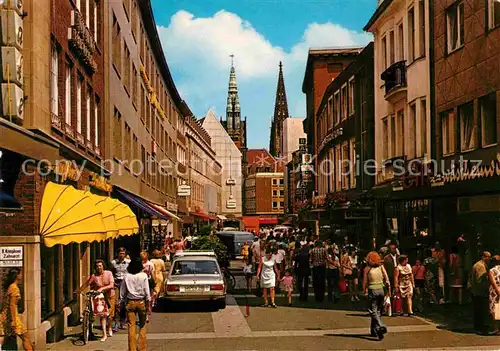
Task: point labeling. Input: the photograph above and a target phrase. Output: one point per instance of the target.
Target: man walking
(302, 270)
(479, 288)
(319, 257)
(120, 266)
(134, 292)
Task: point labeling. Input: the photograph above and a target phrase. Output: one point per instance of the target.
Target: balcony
(395, 80)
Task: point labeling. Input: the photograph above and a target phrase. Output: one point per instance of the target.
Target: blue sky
(199, 35)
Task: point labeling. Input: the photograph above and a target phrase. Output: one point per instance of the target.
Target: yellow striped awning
(70, 215)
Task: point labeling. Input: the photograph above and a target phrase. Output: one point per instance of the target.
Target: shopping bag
(397, 304)
(387, 306)
(258, 290)
(497, 311)
(343, 286)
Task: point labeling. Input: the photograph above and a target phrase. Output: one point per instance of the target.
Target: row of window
(278, 193)
(197, 191)
(278, 204)
(340, 106)
(474, 124)
(337, 171)
(279, 181)
(393, 41)
(405, 132)
(72, 98)
(455, 22)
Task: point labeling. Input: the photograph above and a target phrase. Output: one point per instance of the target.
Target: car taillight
(172, 287)
(217, 287)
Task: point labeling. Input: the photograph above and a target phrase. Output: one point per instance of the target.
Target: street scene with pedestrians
(249, 175)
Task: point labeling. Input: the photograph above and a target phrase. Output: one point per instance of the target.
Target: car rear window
(195, 267)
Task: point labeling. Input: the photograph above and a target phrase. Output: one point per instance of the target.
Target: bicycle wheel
(230, 281)
(86, 327)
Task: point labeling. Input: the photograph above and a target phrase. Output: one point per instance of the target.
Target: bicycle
(88, 315)
(229, 279)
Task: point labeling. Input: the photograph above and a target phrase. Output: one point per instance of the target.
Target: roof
(329, 52)
(345, 75)
(152, 33)
(258, 155)
(380, 10)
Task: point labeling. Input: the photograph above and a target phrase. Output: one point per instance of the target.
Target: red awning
(268, 220)
(203, 216)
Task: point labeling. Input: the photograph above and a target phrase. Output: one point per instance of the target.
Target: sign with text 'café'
(11, 256)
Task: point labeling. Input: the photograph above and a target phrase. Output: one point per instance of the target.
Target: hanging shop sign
(231, 203)
(99, 182)
(172, 207)
(11, 256)
(467, 171)
(183, 190)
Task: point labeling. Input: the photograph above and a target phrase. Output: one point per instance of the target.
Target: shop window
(493, 13)
(488, 110)
(455, 26)
(467, 127)
(448, 132)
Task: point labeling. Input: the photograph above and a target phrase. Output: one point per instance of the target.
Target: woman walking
(159, 269)
(103, 282)
(267, 273)
(374, 280)
(332, 275)
(494, 295)
(11, 325)
(419, 275)
(430, 276)
(350, 272)
(404, 282)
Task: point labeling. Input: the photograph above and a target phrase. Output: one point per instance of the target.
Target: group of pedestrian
(130, 288)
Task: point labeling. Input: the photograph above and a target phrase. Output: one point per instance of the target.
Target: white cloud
(198, 49)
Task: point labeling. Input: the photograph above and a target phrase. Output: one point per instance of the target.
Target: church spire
(281, 105)
(233, 117)
(280, 114)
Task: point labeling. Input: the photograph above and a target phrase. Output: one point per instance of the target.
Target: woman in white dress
(267, 273)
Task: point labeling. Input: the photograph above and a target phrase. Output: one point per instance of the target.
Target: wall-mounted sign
(11, 256)
(231, 203)
(66, 170)
(183, 190)
(172, 207)
(467, 171)
(99, 182)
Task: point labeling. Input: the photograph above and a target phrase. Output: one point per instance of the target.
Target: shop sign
(466, 172)
(172, 207)
(66, 170)
(357, 215)
(11, 256)
(231, 203)
(99, 182)
(183, 190)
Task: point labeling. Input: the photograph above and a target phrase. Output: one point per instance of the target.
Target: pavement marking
(279, 333)
(230, 321)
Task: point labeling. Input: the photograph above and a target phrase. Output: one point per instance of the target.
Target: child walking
(287, 281)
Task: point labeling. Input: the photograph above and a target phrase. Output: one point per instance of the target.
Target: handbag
(343, 286)
(258, 290)
(497, 311)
